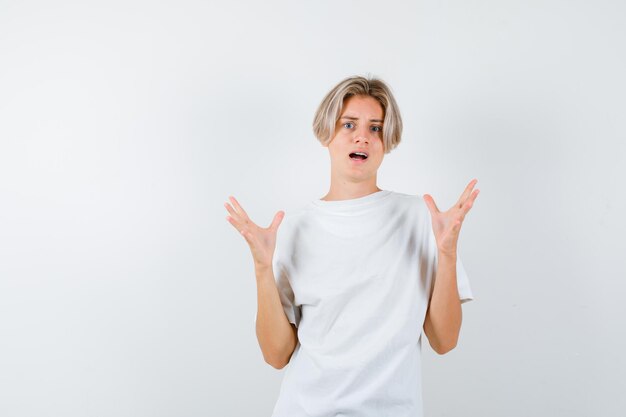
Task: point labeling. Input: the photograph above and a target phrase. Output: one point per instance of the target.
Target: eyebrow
(355, 118)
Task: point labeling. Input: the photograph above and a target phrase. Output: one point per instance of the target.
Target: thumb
(278, 218)
(430, 202)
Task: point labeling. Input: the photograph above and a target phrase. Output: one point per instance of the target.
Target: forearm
(274, 332)
(443, 318)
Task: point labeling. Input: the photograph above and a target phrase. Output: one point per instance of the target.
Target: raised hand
(447, 225)
(262, 240)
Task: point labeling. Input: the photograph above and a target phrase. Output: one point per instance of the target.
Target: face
(359, 129)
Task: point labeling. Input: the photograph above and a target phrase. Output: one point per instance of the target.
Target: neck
(347, 190)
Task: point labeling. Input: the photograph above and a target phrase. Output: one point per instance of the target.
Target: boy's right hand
(262, 241)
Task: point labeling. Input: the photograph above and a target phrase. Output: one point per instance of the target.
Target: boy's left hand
(447, 225)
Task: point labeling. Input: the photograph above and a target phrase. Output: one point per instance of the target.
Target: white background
(125, 126)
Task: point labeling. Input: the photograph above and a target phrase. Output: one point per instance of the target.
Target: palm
(447, 224)
(262, 240)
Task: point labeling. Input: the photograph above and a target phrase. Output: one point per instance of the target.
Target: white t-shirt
(355, 276)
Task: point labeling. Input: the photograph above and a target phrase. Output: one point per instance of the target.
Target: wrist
(446, 255)
(262, 269)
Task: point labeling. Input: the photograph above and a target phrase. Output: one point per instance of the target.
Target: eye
(379, 128)
(347, 123)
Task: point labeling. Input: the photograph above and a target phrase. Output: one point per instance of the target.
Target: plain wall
(125, 126)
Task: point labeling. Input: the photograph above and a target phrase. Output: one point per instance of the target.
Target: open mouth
(358, 156)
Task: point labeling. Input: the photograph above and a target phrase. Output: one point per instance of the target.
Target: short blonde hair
(330, 108)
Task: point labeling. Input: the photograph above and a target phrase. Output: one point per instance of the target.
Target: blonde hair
(330, 108)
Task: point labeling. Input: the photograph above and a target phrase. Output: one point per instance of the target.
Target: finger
(242, 231)
(240, 222)
(238, 207)
(278, 218)
(469, 203)
(430, 202)
(248, 236)
(232, 211)
(466, 192)
(237, 225)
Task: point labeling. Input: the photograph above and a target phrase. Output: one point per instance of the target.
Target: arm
(443, 317)
(276, 335)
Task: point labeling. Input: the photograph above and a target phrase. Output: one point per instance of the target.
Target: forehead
(365, 106)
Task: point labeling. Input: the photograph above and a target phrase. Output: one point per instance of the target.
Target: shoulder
(414, 202)
(294, 216)
(293, 220)
(413, 209)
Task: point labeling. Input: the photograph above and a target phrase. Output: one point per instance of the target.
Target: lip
(358, 161)
(362, 151)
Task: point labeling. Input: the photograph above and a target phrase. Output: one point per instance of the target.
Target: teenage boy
(346, 287)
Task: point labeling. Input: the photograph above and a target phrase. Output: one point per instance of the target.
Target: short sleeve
(281, 277)
(285, 292)
(462, 280)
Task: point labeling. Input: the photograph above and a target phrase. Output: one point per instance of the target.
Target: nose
(362, 135)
